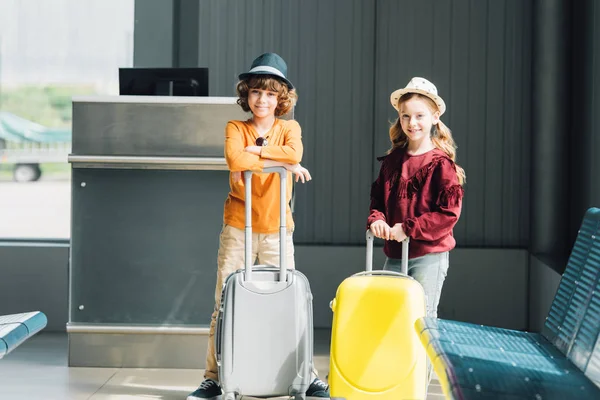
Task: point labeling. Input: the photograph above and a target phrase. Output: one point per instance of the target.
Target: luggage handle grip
(384, 272)
(369, 261)
(282, 222)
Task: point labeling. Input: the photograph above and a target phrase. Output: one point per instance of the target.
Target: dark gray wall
(346, 57)
(550, 87)
(329, 49)
(593, 63)
(543, 283)
(565, 107)
(478, 53)
(584, 185)
(35, 278)
(154, 36)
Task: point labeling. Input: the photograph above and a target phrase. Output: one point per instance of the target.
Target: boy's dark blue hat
(269, 64)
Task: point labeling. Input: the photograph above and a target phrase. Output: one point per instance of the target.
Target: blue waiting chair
(16, 328)
(475, 362)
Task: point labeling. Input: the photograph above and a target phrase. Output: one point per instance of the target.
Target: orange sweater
(284, 145)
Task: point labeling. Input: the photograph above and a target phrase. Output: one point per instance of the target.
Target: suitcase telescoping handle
(282, 223)
(371, 237)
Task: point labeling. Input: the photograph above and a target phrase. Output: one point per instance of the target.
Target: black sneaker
(318, 388)
(209, 389)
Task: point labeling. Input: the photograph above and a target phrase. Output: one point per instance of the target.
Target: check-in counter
(149, 181)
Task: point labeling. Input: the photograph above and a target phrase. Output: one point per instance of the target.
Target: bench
(562, 362)
(16, 328)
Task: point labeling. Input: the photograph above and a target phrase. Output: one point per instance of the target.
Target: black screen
(163, 81)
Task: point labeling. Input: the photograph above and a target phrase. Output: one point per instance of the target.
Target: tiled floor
(37, 370)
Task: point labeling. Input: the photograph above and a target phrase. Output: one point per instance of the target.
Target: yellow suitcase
(375, 350)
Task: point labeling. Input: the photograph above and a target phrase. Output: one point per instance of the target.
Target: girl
(262, 141)
(418, 192)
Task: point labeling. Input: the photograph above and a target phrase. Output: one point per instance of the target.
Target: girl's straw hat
(269, 64)
(421, 86)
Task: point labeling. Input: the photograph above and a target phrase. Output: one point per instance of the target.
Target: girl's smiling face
(262, 103)
(417, 118)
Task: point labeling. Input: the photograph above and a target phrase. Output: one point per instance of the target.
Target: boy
(262, 141)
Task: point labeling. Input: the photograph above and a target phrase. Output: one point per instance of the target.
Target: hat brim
(247, 75)
(395, 96)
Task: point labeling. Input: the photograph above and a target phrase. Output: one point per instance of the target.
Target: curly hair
(286, 99)
(441, 136)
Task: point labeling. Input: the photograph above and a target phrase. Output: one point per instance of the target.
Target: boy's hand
(236, 176)
(380, 229)
(397, 233)
(301, 173)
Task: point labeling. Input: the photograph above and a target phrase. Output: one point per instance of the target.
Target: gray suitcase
(264, 336)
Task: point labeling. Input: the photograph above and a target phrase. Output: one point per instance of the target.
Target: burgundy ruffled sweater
(421, 192)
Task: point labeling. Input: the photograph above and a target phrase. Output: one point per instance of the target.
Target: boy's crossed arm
(256, 158)
(292, 150)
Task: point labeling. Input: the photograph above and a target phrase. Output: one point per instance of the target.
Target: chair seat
(481, 362)
(16, 328)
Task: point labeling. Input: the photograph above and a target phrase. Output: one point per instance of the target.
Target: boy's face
(262, 103)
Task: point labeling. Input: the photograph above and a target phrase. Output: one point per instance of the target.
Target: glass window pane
(49, 52)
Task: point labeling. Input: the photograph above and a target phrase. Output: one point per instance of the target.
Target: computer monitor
(163, 81)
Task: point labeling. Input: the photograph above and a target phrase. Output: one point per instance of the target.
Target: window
(49, 52)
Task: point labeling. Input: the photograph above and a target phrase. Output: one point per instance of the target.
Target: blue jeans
(430, 271)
